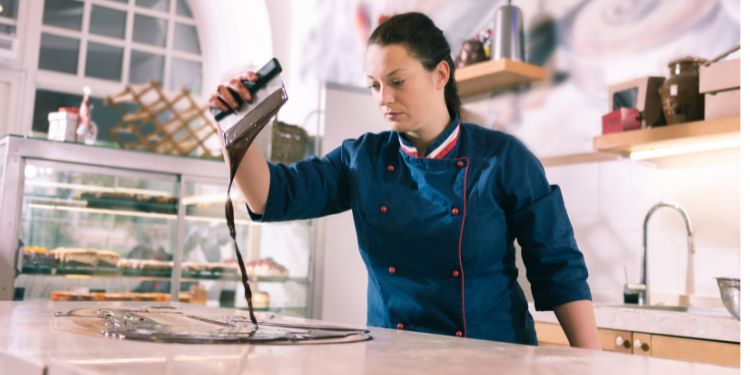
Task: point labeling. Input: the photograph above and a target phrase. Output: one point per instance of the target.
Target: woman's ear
(441, 74)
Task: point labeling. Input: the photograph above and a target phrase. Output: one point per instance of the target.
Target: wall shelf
(495, 74)
(614, 146)
(580, 158)
(686, 134)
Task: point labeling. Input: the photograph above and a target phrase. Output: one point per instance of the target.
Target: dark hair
(423, 40)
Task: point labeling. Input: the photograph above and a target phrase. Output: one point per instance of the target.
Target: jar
(680, 98)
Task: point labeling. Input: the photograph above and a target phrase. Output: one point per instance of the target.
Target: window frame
(29, 29)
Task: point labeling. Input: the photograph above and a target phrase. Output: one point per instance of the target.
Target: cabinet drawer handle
(640, 345)
(620, 341)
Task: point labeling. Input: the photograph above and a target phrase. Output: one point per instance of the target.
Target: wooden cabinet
(642, 344)
(615, 340)
(647, 344)
(550, 334)
(694, 350)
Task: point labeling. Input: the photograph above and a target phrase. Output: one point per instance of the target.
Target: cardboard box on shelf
(62, 126)
(720, 76)
(722, 104)
(642, 94)
(621, 119)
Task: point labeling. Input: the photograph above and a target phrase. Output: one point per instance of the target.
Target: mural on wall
(602, 43)
(584, 46)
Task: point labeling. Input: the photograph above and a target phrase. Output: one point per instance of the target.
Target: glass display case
(276, 255)
(91, 223)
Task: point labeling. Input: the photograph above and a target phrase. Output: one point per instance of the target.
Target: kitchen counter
(707, 324)
(29, 344)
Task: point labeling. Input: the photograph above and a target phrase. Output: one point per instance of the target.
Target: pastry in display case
(38, 257)
(127, 201)
(261, 300)
(103, 296)
(266, 267)
(107, 258)
(210, 270)
(75, 257)
(145, 267)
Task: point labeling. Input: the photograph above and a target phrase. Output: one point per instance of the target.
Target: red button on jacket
(392, 269)
(459, 333)
(383, 209)
(460, 164)
(456, 273)
(391, 168)
(454, 211)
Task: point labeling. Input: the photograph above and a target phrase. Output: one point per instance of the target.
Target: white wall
(348, 113)
(234, 35)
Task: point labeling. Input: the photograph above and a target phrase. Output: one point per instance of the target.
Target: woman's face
(408, 95)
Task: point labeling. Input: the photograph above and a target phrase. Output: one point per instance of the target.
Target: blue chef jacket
(436, 234)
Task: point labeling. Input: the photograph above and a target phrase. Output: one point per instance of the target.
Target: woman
(437, 204)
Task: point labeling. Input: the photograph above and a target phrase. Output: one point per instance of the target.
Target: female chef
(437, 203)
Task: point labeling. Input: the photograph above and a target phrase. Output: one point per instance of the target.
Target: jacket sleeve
(537, 218)
(309, 188)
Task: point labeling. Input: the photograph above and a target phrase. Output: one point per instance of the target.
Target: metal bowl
(730, 294)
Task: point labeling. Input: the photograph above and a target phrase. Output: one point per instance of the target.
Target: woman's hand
(223, 99)
(253, 176)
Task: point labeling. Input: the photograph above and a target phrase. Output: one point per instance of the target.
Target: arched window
(107, 44)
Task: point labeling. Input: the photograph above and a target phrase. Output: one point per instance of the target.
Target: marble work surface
(30, 344)
(707, 324)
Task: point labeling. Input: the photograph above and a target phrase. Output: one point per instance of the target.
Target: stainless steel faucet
(642, 289)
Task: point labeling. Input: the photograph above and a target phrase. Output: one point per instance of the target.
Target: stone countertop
(30, 344)
(708, 324)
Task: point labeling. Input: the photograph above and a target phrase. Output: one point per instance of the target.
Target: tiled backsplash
(608, 201)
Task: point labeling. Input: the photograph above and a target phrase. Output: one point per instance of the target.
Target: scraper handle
(265, 74)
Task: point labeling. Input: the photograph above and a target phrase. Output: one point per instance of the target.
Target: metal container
(680, 97)
(508, 36)
(730, 294)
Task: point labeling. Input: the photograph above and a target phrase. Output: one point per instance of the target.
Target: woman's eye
(397, 82)
(374, 86)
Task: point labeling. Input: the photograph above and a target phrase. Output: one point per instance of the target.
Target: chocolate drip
(236, 149)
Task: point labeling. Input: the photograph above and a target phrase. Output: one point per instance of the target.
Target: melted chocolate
(167, 324)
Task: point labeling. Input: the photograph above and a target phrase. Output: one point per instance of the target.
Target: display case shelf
(495, 74)
(72, 205)
(99, 272)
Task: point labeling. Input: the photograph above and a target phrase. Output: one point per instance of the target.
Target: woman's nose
(386, 96)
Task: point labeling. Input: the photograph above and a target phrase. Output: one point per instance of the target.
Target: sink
(682, 309)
